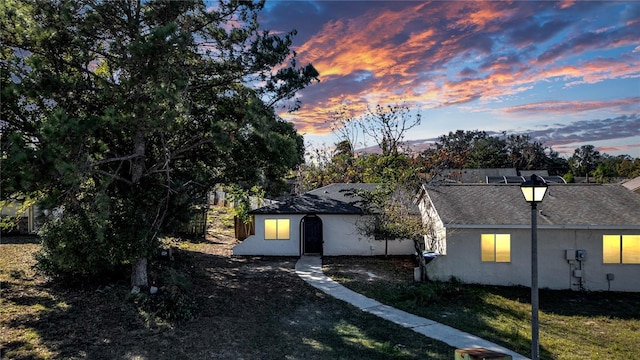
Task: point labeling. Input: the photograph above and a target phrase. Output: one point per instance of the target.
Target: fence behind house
(219, 197)
(197, 225)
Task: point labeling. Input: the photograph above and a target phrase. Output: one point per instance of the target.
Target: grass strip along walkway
(309, 268)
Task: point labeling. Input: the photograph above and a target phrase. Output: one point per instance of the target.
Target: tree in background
(388, 125)
(555, 164)
(487, 152)
(346, 127)
(124, 113)
(628, 167)
(328, 165)
(244, 201)
(476, 149)
(607, 168)
(604, 173)
(584, 160)
(523, 153)
(342, 164)
(452, 150)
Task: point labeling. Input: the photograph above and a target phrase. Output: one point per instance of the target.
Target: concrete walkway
(309, 268)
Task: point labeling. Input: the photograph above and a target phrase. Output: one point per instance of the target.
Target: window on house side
(270, 229)
(495, 247)
(503, 248)
(631, 249)
(276, 229)
(611, 249)
(488, 244)
(283, 229)
(621, 249)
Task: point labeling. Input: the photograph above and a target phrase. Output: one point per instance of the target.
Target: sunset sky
(567, 73)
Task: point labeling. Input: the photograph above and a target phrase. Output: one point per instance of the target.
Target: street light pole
(535, 339)
(534, 191)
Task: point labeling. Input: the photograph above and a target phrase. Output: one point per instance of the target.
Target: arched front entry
(311, 235)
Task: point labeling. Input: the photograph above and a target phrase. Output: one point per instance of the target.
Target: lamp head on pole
(534, 190)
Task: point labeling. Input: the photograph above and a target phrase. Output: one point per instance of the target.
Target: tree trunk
(420, 257)
(137, 165)
(139, 273)
(139, 269)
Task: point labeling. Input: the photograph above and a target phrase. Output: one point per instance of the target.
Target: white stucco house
(25, 216)
(326, 221)
(588, 235)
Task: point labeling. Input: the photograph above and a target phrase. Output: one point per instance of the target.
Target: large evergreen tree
(123, 112)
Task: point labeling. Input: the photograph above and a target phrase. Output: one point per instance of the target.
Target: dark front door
(312, 234)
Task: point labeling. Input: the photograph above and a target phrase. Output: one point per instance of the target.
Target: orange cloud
(478, 14)
(415, 54)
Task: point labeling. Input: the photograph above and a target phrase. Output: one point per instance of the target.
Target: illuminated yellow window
(283, 229)
(611, 249)
(276, 229)
(631, 249)
(495, 247)
(621, 249)
(503, 248)
(270, 229)
(488, 245)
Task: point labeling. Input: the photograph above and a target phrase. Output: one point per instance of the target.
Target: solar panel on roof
(521, 179)
(495, 180)
(554, 179)
(514, 179)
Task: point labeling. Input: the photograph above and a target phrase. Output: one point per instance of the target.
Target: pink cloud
(572, 106)
(407, 54)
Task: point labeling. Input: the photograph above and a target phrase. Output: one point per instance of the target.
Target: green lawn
(573, 325)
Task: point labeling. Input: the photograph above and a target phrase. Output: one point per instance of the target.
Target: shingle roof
(567, 205)
(633, 184)
(331, 199)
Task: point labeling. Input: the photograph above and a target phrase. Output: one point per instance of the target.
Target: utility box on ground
(479, 354)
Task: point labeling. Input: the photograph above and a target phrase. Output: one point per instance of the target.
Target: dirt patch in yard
(394, 269)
